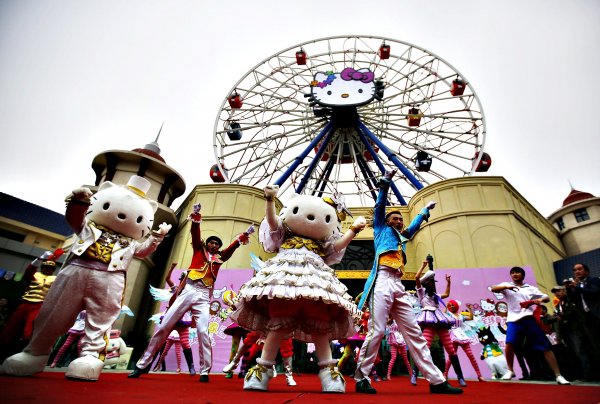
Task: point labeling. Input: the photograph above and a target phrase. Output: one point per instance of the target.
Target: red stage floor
(114, 387)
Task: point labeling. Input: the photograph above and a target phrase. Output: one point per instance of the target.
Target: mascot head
(310, 216)
(124, 209)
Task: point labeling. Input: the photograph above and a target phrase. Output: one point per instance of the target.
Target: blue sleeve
(416, 223)
(379, 211)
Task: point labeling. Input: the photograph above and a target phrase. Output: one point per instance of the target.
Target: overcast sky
(80, 77)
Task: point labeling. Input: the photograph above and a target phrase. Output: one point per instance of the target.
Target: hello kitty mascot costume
(111, 227)
(296, 294)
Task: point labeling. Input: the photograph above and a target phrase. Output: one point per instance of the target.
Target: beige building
(578, 222)
(479, 222)
(227, 210)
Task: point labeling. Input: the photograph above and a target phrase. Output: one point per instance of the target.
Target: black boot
(364, 386)
(137, 372)
(457, 369)
(189, 358)
(444, 388)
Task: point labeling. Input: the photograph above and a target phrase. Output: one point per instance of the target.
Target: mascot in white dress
(296, 294)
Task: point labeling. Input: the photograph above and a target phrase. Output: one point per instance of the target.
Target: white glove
(430, 205)
(163, 229)
(271, 190)
(360, 222)
(390, 174)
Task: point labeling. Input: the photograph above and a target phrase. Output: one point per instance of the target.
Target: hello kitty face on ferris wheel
(348, 88)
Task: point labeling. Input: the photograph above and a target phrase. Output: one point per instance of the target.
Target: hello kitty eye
(328, 92)
(327, 218)
(139, 219)
(295, 210)
(360, 90)
(106, 206)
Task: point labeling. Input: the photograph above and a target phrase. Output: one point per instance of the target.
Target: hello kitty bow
(350, 74)
(337, 201)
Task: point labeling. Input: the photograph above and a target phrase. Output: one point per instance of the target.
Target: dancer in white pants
(386, 295)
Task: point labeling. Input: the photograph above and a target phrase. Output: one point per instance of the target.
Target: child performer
(397, 344)
(432, 319)
(73, 335)
(459, 337)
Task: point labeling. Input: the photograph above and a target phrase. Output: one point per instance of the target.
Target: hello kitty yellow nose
(345, 95)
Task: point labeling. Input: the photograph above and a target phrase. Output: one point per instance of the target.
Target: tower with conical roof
(578, 222)
(118, 166)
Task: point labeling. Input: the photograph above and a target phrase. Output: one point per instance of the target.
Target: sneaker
(508, 375)
(228, 375)
(413, 379)
(444, 388)
(462, 383)
(561, 380)
(289, 379)
(364, 386)
(203, 379)
(230, 367)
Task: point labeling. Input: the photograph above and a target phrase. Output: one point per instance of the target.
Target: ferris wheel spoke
(415, 146)
(441, 115)
(259, 161)
(445, 135)
(300, 121)
(298, 132)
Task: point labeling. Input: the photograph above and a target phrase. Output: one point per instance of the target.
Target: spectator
(586, 289)
(572, 331)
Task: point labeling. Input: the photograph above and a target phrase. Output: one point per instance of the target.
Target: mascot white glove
(163, 229)
(271, 190)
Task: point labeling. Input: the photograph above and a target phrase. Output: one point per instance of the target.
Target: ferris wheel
(331, 115)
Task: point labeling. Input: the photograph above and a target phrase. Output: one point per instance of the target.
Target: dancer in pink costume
(459, 336)
(172, 340)
(73, 335)
(397, 345)
(432, 319)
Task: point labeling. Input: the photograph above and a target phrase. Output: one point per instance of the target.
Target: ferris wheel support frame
(381, 167)
(390, 155)
(315, 161)
(302, 156)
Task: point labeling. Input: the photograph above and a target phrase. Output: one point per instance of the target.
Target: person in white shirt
(521, 298)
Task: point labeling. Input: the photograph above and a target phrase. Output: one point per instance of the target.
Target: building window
(581, 215)
(12, 235)
(560, 223)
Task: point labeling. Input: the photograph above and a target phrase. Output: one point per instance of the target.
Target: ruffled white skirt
(296, 291)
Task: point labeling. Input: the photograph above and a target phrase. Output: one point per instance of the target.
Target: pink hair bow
(350, 74)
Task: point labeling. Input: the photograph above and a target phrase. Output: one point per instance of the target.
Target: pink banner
(470, 286)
